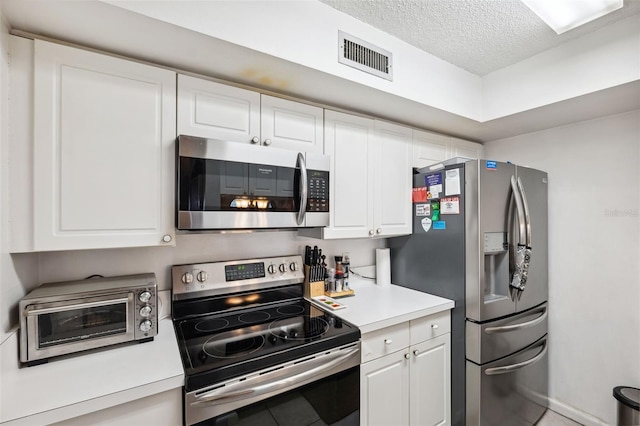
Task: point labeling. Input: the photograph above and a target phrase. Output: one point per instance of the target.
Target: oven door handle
(292, 375)
(31, 310)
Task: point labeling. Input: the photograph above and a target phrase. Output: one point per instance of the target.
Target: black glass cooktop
(219, 346)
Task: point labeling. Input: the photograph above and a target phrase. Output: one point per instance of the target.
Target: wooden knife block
(312, 289)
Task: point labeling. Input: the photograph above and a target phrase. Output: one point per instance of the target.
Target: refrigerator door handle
(527, 217)
(515, 327)
(514, 367)
(520, 210)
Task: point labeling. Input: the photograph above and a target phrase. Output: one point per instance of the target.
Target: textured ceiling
(479, 36)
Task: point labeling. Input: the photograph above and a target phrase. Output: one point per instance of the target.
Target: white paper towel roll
(383, 267)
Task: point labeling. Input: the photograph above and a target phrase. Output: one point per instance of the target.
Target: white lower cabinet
(405, 377)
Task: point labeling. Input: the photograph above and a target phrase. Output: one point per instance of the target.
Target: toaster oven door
(63, 327)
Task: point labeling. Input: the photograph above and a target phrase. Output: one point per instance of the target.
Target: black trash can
(628, 405)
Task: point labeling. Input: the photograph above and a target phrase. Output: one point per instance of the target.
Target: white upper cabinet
(465, 149)
(103, 153)
(393, 180)
(431, 148)
(217, 111)
(370, 178)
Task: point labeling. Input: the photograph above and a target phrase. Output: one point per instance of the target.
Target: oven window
(217, 185)
(334, 400)
(81, 324)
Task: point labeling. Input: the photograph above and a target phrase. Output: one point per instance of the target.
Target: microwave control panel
(318, 187)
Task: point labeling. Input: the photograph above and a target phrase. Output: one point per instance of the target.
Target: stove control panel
(240, 275)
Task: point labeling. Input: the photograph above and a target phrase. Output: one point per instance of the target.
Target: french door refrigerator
(480, 238)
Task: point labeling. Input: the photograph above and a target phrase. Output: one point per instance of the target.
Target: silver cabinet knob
(267, 142)
(434, 326)
(407, 356)
(255, 140)
(416, 352)
(370, 231)
(388, 341)
(166, 238)
(378, 231)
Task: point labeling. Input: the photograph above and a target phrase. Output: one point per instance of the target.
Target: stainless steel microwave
(66, 317)
(229, 185)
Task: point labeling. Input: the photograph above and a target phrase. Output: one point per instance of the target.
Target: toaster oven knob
(144, 296)
(145, 325)
(145, 311)
(282, 268)
(187, 278)
(271, 269)
(202, 276)
(293, 266)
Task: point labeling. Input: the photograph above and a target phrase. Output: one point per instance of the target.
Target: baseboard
(575, 414)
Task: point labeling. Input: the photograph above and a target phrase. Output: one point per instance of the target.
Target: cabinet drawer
(385, 341)
(431, 326)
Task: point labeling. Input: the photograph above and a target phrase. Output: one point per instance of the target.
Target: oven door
(228, 185)
(321, 389)
(63, 327)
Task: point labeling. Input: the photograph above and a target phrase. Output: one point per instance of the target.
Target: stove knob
(272, 339)
(145, 325)
(144, 296)
(202, 276)
(283, 268)
(293, 333)
(187, 278)
(271, 268)
(293, 266)
(145, 311)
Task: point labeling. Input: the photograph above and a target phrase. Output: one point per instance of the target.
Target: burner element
(212, 324)
(290, 310)
(299, 328)
(254, 317)
(218, 347)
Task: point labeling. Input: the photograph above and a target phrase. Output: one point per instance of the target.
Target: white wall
(594, 257)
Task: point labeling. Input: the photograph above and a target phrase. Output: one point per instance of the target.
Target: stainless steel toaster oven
(66, 317)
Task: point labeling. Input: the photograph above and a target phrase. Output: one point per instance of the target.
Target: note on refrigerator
(452, 182)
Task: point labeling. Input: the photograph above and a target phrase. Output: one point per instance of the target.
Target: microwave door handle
(527, 218)
(34, 311)
(303, 188)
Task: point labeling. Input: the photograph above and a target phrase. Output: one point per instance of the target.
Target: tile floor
(551, 418)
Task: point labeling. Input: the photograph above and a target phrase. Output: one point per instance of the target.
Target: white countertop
(84, 383)
(377, 306)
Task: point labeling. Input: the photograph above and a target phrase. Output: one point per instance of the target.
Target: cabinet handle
(166, 238)
(267, 142)
(416, 352)
(388, 341)
(434, 326)
(407, 356)
(370, 231)
(378, 231)
(255, 140)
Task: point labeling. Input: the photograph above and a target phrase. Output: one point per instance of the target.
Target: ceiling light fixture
(564, 15)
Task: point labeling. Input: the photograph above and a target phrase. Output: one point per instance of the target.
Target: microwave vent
(364, 56)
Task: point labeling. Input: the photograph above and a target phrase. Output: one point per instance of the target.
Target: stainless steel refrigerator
(480, 238)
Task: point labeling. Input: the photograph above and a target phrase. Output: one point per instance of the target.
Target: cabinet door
(349, 140)
(465, 149)
(291, 125)
(428, 148)
(384, 391)
(393, 180)
(217, 111)
(430, 393)
(104, 159)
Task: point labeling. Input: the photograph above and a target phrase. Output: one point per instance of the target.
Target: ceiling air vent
(364, 56)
